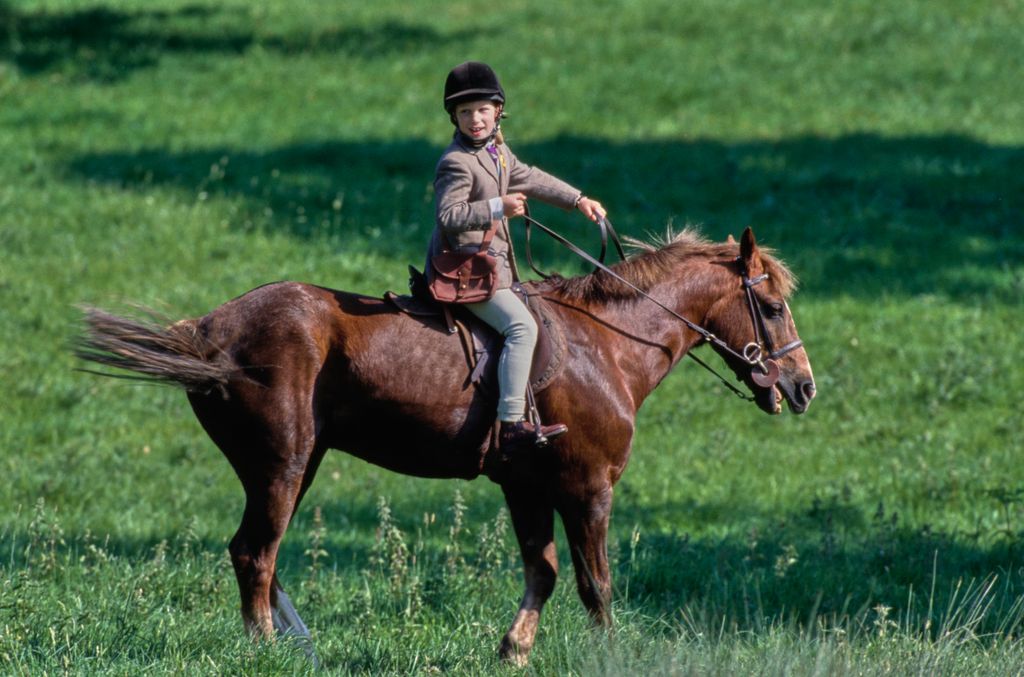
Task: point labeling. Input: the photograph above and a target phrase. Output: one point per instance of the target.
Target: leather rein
(759, 353)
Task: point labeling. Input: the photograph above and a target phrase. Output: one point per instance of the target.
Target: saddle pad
(482, 356)
(550, 351)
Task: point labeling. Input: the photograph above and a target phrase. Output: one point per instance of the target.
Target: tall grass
(423, 602)
(176, 153)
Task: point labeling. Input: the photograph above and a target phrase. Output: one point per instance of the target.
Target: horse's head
(754, 321)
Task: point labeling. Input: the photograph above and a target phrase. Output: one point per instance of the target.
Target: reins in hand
(607, 230)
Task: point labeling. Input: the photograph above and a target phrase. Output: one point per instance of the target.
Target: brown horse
(287, 371)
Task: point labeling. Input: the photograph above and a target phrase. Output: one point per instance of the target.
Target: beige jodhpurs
(509, 316)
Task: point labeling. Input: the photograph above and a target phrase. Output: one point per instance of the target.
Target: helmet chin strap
(473, 143)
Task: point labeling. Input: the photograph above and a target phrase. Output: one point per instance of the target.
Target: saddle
(481, 344)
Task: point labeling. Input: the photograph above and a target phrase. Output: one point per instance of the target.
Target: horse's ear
(749, 252)
(730, 239)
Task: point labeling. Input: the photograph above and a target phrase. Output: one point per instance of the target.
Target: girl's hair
(499, 138)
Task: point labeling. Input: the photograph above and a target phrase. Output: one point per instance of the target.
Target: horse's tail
(177, 354)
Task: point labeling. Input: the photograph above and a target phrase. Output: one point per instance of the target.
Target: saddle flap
(550, 350)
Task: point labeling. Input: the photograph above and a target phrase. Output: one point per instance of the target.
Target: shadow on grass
(831, 561)
(861, 215)
(827, 563)
(106, 45)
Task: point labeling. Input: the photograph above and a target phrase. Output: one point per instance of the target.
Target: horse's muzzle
(800, 396)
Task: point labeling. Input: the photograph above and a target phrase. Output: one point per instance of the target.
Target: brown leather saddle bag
(459, 277)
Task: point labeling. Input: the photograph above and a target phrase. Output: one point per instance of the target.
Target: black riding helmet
(471, 81)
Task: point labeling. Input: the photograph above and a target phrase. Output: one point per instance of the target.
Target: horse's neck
(657, 339)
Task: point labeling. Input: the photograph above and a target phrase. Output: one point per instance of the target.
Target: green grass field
(178, 153)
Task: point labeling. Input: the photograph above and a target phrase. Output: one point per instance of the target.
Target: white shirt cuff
(497, 208)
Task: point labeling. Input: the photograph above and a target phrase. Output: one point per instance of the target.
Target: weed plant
(168, 609)
(177, 153)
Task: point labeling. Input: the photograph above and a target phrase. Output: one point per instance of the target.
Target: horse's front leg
(586, 526)
(533, 519)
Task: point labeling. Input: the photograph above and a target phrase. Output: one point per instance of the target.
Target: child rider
(479, 179)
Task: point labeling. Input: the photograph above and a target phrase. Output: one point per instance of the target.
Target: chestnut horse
(287, 371)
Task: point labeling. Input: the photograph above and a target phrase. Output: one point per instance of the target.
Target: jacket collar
(482, 156)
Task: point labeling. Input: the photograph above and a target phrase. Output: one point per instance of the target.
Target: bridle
(759, 353)
(767, 372)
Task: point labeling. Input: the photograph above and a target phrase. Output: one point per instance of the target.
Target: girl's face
(476, 119)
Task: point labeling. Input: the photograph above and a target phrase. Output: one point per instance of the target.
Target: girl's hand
(592, 209)
(514, 204)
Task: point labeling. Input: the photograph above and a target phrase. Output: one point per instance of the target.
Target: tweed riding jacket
(467, 179)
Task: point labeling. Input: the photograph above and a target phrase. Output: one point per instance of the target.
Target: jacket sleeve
(538, 184)
(455, 213)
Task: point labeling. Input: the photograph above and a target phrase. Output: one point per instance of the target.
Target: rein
(767, 372)
(606, 230)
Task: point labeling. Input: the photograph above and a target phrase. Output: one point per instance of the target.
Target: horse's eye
(775, 310)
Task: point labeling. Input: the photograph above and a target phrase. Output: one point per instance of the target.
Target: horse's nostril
(807, 388)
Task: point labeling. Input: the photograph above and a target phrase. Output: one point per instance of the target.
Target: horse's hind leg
(284, 616)
(533, 519)
(275, 464)
(272, 499)
(268, 508)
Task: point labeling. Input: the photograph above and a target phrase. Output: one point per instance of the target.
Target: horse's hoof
(513, 655)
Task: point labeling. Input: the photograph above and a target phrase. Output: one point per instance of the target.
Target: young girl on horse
(478, 180)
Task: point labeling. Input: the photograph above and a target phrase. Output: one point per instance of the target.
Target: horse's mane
(653, 261)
